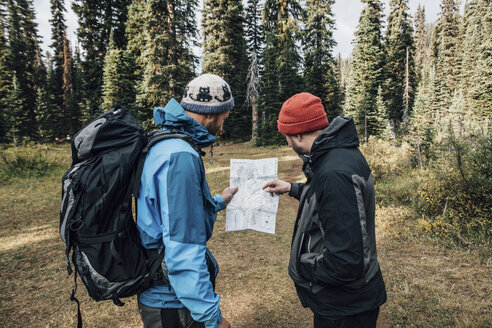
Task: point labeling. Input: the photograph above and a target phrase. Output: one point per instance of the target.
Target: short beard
(213, 128)
(297, 150)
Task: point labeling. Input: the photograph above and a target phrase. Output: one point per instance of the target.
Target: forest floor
(428, 284)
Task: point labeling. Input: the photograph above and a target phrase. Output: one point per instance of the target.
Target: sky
(346, 16)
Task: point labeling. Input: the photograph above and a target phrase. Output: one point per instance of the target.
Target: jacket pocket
(311, 250)
(307, 263)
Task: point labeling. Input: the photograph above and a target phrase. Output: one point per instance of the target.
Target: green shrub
(455, 196)
(30, 161)
(399, 190)
(385, 159)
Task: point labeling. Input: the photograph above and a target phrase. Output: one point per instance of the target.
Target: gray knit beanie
(207, 94)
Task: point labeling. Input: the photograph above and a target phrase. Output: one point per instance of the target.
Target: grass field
(428, 285)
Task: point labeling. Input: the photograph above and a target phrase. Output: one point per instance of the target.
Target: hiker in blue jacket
(176, 210)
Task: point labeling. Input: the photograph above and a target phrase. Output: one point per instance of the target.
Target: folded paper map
(252, 207)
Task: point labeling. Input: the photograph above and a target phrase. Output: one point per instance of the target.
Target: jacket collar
(173, 116)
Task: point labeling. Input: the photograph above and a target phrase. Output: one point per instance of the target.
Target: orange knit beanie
(301, 113)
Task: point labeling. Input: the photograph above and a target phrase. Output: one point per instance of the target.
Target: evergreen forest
(424, 86)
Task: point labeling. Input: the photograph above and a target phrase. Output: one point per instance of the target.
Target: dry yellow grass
(428, 285)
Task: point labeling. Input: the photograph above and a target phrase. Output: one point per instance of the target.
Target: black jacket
(333, 258)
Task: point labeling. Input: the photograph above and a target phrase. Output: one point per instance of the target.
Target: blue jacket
(177, 211)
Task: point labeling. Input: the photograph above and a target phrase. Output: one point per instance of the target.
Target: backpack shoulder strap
(153, 138)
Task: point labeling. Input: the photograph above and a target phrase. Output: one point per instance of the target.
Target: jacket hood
(341, 133)
(173, 116)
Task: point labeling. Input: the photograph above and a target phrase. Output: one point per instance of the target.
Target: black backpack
(96, 217)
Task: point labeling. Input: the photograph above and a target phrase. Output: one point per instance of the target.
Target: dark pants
(363, 320)
(167, 318)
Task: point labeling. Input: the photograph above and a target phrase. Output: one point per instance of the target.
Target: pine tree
(133, 31)
(255, 44)
(111, 77)
(41, 86)
(367, 70)
(167, 59)
(71, 107)
(78, 92)
(224, 54)
(58, 36)
(118, 86)
(340, 79)
(16, 116)
(400, 74)
(476, 57)
(40, 71)
(482, 91)
(116, 18)
(252, 93)
(289, 59)
(90, 34)
(422, 122)
(22, 49)
(254, 29)
(61, 87)
(96, 20)
(421, 53)
(344, 67)
(319, 65)
(382, 126)
(50, 120)
(281, 65)
(5, 74)
(133, 59)
(44, 118)
(445, 53)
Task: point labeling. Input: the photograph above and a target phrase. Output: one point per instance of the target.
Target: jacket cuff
(215, 322)
(219, 203)
(294, 190)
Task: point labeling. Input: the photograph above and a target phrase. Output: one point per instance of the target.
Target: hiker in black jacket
(333, 259)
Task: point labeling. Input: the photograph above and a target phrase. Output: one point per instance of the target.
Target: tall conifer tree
(58, 36)
(116, 18)
(96, 20)
(319, 64)
(167, 60)
(23, 47)
(134, 61)
(445, 51)
(44, 120)
(367, 70)
(48, 115)
(5, 74)
(16, 101)
(400, 74)
(255, 45)
(72, 110)
(476, 57)
(422, 121)
(420, 38)
(224, 54)
(281, 65)
(482, 86)
(118, 82)
(254, 28)
(91, 35)
(60, 85)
